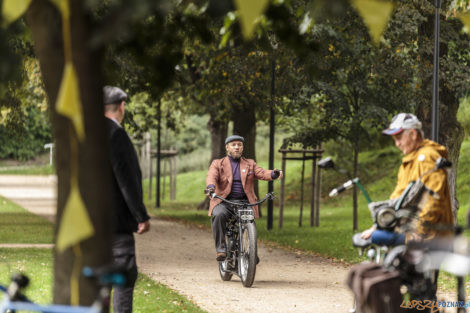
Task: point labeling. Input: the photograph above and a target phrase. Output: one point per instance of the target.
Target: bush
(24, 133)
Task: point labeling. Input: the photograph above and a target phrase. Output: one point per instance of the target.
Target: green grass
(37, 264)
(28, 170)
(154, 297)
(19, 226)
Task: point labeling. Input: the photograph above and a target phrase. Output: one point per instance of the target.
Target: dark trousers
(220, 216)
(124, 256)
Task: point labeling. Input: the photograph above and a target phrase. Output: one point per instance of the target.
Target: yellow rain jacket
(436, 212)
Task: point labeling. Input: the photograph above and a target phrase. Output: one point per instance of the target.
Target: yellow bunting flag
(465, 18)
(63, 6)
(75, 224)
(249, 11)
(375, 15)
(13, 9)
(68, 100)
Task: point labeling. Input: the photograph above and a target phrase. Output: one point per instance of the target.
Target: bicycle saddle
(358, 242)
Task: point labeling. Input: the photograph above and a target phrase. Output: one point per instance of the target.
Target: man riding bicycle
(436, 217)
(232, 177)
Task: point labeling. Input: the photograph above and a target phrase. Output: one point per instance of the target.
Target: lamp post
(274, 45)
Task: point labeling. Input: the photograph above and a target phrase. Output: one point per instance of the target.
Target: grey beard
(235, 157)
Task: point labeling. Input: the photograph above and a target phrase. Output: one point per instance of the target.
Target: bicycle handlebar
(269, 196)
(343, 187)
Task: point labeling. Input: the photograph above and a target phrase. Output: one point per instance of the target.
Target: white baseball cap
(402, 121)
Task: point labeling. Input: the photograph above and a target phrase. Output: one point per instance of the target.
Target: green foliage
(356, 90)
(24, 120)
(24, 133)
(463, 115)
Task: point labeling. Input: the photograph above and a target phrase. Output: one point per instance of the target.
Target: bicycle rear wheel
(248, 252)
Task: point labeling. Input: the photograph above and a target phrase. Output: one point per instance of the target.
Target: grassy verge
(19, 226)
(28, 170)
(37, 265)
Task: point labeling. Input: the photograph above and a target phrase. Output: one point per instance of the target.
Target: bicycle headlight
(405, 216)
(386, 218)
(247, 217)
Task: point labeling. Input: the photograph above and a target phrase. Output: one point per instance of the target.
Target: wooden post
(150, 176)
(148, 157)
(175, 171)
(313, 192)
(159, 119)
(164, 178)
(318, 189)
(283, 184)
(302, 189)
(170, 160)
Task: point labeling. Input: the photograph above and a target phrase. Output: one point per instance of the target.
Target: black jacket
(127, 181)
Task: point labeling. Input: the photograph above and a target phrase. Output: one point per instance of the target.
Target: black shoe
(221, 256)
(257, 260)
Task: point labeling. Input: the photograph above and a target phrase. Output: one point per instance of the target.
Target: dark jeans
(124, 256)
(387, 238)
(220, 216)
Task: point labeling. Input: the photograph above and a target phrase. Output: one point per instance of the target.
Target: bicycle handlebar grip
(21, 280)
(342, 188)
(336, 191)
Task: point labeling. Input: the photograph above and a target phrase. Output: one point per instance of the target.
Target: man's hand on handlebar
(368, 232)
(209, 191)
(278, 174)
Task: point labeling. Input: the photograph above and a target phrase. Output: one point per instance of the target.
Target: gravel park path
(183, 258)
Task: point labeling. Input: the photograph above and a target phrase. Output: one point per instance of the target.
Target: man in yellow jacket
(435, 218)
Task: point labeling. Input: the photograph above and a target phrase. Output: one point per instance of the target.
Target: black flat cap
(113, 95)
(234, 138)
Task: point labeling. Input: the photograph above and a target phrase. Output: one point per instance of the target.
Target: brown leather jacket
(220, 175)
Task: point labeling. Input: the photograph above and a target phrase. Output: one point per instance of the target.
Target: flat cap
(234, 138)
(113, 95)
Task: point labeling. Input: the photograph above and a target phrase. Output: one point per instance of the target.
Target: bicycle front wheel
(248, 252)
(224, 266)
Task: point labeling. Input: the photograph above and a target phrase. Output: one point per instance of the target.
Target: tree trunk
(218, 130)
(244, 124)
(451, 133)
(94, 167)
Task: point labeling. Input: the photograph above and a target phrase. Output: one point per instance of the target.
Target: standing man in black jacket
(130, 214)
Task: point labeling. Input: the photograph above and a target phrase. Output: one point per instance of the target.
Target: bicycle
(241, 242)
(107, 277)
(402, 260)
